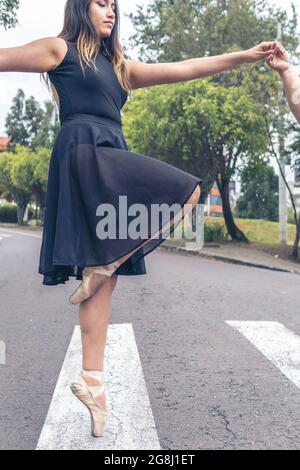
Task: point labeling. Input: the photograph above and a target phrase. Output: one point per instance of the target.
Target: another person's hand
(279, 61)
(264, 50)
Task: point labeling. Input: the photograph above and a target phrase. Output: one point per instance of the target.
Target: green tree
(293, 154)
(14, 122)
(48, 127)
(8, 13)
(29, 124)
(259, 199)
(201, 127)
(16, 173)
(40, 161)
(24, 175)
(172, 30)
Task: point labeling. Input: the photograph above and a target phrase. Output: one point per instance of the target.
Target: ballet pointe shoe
(89, 285)
(87, 395)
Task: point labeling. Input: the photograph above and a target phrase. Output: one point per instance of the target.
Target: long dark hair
(78, 28)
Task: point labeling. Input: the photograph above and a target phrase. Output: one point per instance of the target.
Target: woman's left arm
(143, 75)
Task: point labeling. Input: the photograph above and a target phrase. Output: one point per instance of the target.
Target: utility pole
(282, 187)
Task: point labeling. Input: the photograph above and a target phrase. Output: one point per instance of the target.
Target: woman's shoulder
(61, 48)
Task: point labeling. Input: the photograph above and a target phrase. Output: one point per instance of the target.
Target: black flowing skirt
(91, 170)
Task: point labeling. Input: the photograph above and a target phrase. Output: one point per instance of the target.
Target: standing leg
(94, 315)
(89, 387)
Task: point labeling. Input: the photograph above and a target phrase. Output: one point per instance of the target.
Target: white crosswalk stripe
(278, 344)
(129, 425)
(2, 353)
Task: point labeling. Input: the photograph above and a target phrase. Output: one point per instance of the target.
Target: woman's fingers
(267, 53)
(280, 51)
(268, 45)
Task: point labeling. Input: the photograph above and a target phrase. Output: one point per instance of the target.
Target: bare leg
(94, 315)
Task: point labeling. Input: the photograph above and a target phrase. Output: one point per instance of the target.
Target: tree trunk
(42, 207)
(21, 208)
(22, 199)
(42, 215)
(235, 233)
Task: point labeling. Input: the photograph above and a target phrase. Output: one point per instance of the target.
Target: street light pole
(282, 186)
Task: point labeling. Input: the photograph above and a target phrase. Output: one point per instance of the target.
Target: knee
(87, 330)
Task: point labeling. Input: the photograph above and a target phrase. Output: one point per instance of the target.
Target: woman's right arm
(40, 56)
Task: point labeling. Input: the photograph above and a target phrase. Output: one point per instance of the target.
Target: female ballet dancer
(279, 61)
(90, 163)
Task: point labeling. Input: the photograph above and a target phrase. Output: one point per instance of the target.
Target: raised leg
(94, 276)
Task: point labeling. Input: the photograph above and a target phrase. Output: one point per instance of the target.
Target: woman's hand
(279, 61)
(262, 51)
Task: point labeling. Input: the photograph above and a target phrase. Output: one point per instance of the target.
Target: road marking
(279, 344)
(11, 233)
(2, 353)
(129, 425)
(4, 235)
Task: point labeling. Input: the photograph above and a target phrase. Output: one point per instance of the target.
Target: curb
(227, 259)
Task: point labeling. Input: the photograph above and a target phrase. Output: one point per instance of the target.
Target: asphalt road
(209, 387)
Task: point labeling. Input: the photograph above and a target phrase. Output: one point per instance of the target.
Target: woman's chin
(106, 31)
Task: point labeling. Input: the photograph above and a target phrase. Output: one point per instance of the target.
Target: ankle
(93, 376)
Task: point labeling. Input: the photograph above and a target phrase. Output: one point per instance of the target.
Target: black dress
(91, 165)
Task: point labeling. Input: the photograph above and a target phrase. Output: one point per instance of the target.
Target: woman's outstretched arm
(40, 55)
(142, 74)
(279, 61)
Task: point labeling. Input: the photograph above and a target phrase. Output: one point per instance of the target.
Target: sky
(44, 18)
(38, 19)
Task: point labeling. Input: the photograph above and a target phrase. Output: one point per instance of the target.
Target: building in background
(213, 206)
(4, 143)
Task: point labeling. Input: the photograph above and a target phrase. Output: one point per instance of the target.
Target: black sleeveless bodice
(98, 93)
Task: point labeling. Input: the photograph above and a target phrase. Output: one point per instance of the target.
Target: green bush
(290, 216)
(214, 233)
(8, 213)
